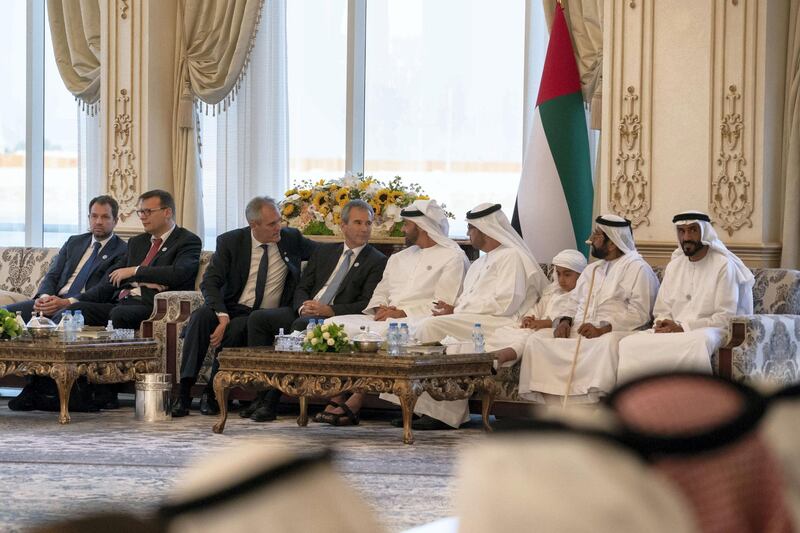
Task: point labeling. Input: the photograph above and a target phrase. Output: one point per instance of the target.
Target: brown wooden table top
(82, 350)
(378, 364)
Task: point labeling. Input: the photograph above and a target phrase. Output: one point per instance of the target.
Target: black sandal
(327, 417)
(349, 418)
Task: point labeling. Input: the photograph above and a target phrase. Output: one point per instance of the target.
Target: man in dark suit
(255, 267)
(82, 263)
(166, 257)
(339, 279)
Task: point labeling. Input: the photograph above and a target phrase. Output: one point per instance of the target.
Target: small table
(312, 374)
(100, 360)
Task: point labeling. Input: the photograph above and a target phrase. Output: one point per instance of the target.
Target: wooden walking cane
(578, 345)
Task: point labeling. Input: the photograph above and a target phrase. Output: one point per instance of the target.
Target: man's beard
(694, 247)
(599, 253)
(411, 238)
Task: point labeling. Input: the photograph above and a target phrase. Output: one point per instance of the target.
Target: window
(316, 34)
(12, 125)
(39, 126)
(444, 99)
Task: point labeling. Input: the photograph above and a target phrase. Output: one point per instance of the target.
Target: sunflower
(305, 194)
(290, 192)
(321, 203)
(376, 206)
(288, 210)
(423, 197)
(396, 196)
(342, 196)
(364, 184)
(337, 218)
(382, 196)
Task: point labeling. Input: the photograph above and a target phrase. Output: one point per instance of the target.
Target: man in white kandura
(614, 298)
(499, 287)
(508, 342)
(430, 269)
(704, 286)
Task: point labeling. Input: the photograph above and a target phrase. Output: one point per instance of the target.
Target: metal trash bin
(153, 397)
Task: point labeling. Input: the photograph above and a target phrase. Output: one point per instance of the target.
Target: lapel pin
(286, 259)
(355, 265)
(164, 249)
(105, 257)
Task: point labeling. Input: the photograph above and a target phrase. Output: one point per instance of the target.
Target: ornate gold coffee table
(100, 360)
(310, 374)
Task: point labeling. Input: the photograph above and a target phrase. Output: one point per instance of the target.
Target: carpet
(108, 460)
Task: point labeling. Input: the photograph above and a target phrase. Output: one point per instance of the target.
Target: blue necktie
(333, 286)
(83, 276)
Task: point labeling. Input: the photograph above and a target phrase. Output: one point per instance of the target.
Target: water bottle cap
(280, 331)
(392, 325)
(477, 325)
(403, 325)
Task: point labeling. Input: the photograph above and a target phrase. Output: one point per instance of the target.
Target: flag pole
(578, 345)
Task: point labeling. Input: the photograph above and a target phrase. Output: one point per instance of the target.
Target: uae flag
(554, 200)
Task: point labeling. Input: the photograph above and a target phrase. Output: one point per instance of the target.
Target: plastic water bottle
(393, 339)
(78, 320)
(19, 320)
(478, 343)
(69, 326)
(280, 343)
(404, 336)
(110, 326)
(310, 328)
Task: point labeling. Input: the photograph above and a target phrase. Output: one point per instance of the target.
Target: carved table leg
(408, 394)
(222, 384)
(302, 420)
(64, 376)
(487, 398)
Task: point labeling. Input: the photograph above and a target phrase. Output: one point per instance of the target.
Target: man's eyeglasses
(147, 212)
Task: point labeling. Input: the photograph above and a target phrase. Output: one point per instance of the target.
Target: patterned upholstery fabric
(22, 269)
(769, 351)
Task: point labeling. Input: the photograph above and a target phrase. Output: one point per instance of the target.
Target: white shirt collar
(165, 236)
(255, 243)
(356, 251)
(103, 242)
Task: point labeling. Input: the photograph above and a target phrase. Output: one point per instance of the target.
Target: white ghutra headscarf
(490, 219)
(709, 237)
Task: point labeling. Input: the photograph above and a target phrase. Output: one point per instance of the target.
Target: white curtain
(252, 149)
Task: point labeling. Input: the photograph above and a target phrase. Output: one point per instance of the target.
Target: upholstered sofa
(762, 346)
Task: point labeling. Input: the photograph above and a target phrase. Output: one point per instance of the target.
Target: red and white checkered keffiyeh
(727, 472)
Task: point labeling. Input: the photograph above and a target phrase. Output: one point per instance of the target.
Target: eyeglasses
(147, 212)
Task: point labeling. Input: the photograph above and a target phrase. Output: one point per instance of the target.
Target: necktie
(83, 274)
(261, 279)
(333, 286)
(147, 260)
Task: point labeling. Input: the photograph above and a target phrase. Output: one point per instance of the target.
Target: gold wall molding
(767, 255)
(123, 9)
(731, 189)
(123, 180)
(630, 188)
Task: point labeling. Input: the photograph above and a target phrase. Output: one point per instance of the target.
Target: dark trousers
(126, 314)
(25, 308)
(264, 324)
(197, 335)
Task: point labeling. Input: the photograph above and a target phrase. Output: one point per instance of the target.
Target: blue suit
(110, 258)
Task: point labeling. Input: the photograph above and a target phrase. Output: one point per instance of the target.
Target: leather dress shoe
(25, 401)
(265, 412)
(247, 412)
(181, 407)
(209, 405)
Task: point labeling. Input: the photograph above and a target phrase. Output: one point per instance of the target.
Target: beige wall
(676, 74)
(138, 44)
